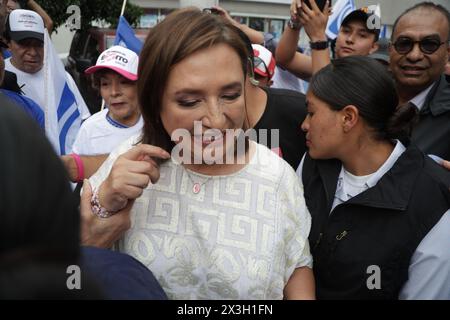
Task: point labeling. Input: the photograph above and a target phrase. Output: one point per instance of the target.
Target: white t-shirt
(98, 136)
(283, 79)
(419, 100)
(240, 237)
(32, 85)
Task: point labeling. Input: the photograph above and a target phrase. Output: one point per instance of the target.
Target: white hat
(23, 24)
(264, 61)
(120, 59)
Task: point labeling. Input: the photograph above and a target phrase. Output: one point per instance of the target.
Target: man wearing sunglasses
(419, 51)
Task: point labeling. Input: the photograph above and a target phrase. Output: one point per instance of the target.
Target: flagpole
(124, 4)
(123, 7)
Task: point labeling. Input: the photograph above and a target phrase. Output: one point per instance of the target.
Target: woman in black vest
(379, 207)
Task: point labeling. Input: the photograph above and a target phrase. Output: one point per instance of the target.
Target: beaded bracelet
(97, 208)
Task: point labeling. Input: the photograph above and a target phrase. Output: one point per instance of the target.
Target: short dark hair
(97, 76)
(375, 32)
(364, 83)
(425, 5)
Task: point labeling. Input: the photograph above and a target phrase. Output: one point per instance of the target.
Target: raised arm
(314, 21)
(315, 24)
(48, 22)
(286, 53)
(287, 56)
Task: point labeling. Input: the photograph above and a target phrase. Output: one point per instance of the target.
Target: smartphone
(320, 3)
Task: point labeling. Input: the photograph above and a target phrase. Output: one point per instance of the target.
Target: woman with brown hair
(217, 221)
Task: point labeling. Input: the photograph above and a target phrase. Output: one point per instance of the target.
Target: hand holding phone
(314, 18)
(320, 4)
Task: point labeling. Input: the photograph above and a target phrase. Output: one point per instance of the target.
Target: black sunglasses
(404, 45)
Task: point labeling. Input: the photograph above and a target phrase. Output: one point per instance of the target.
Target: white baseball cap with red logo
(119, 59)
(264, 61)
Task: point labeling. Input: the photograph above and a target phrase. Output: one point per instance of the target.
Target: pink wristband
(80, 166)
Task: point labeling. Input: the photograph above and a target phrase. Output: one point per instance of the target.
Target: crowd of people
(207, 177)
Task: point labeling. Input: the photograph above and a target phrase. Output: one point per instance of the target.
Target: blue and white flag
(64, 107)
(125, 36)
(383, 32)
(340, 10)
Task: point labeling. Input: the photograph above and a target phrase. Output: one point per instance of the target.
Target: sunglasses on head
(211, 11)
(404, 45)
(258, 61)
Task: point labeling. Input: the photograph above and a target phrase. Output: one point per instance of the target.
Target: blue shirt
(30, 107)
(120, 276)
(6, 54)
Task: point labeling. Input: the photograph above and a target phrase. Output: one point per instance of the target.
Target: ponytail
(401, 123)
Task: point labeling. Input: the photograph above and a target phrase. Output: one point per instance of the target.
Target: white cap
(267, 68)
(120, 59)
(23, 24)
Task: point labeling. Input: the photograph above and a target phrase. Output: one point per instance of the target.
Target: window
(257, 23)
(276, 27)
(241, 20)
(149, 19)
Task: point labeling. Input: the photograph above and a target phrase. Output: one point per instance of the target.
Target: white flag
(340, 10)
(64, 107)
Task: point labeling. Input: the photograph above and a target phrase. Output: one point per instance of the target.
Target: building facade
(262, 15)
(268, 15)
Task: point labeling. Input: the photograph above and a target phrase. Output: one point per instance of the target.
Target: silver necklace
(196, 186)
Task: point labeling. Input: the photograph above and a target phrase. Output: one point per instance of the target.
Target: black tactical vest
(379, 228)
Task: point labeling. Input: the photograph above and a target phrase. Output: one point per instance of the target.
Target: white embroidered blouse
(240, 237)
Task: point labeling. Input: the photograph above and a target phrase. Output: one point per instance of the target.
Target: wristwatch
(294, 24)
(318, 45)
